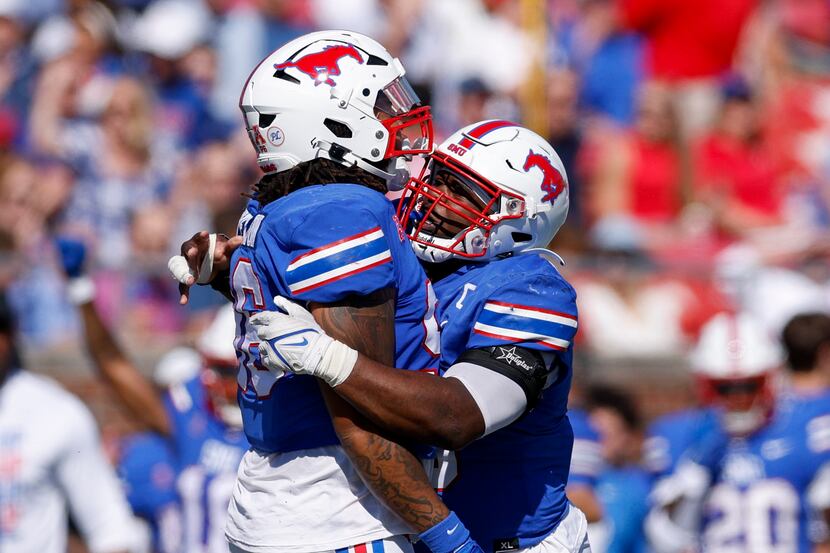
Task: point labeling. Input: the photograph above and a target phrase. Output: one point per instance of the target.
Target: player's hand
(203, 257)
(292, 340)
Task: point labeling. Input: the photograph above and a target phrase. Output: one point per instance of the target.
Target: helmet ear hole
(519, 237)
(265, 119)
(340, 130)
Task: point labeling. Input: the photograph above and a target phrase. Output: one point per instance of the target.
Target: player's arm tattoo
(391, 471)
(135, 391)
(366, 324)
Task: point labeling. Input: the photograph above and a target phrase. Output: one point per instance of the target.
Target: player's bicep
(365, 323)
(504, 381)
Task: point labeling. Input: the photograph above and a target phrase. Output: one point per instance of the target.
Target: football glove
(292, 340)
(79, 287)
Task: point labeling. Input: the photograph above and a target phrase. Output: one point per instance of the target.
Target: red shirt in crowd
(687, 38)
(739, 172)
(654, 181)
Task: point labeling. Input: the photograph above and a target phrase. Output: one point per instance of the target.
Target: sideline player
(51, 457)
(492, 191)
(758, 478)
(198, 417)
(325, 109)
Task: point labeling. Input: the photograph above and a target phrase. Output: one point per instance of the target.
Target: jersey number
(248, 299)
(761, 519)
(205, 501)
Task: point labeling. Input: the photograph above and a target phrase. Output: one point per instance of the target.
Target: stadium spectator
(565, 134)
(736, 175)
(689, 43)
(120, 164)
(638, 174)
(597, 48)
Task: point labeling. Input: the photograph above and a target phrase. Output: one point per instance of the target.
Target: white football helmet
(491, 189)
(735, 363)
(338, 95)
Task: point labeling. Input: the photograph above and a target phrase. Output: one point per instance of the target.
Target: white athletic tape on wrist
(207, 263)
(337, 363)
(80, 290)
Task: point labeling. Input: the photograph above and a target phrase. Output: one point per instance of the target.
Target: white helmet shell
(338, 95)
(517, 176)
(735, 353)
(215, 344)
(734, 346)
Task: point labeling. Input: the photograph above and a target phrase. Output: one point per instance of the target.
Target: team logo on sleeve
(322, 66)
(552, 182)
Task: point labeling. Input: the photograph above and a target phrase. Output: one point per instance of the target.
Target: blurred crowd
(695, 134)
(695, 138)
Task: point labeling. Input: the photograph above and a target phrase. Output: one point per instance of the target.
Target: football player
(806, 340)
(148, 468)
(757, 479)
(488, 199)
(332, 119)
(198, 417)
(51, 463)
(623, 485)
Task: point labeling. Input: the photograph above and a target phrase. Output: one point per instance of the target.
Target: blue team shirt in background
(321, 244)
(623, 493)
(208, 453)
(586, 461)
(510, 485)
(668, 437)
(759, 500)
(148, 469)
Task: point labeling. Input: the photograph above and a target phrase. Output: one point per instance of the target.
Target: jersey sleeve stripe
(336, 260)
(340, 273)
(335, 247)
(531, 312)
(511, 335)
(511, 320)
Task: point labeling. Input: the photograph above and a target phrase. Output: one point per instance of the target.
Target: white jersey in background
(50, 456)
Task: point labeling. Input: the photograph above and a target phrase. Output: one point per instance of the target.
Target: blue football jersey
(765, 486)
(623, 493)
(509, 486)
(668, 437)
(586, 460)
(321, 244)
(148, 470)
(208, 452)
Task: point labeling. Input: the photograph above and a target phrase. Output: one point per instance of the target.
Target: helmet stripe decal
(483, 129)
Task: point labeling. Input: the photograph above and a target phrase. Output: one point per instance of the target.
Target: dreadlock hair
(310, 173)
